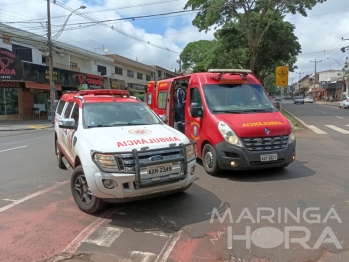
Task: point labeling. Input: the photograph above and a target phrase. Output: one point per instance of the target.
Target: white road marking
(12, 148)
(105, 236)
(340, 130)
(339, 117)
(142, 256)
(347, 125)
(74, 245)
(6, 199)
(32, 195)
(156, 234)
(323, 112)
(316, 130)
(167, 249)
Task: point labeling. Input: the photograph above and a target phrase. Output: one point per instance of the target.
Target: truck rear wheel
(210, 160)
(82, 194)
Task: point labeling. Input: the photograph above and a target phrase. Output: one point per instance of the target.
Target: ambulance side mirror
(196, 110)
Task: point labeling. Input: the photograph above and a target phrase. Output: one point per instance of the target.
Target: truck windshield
(246, 98)
(118, 114)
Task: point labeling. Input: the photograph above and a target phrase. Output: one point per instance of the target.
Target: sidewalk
(17, 125)
(335, 103)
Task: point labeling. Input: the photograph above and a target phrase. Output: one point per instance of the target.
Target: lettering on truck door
(193, 125)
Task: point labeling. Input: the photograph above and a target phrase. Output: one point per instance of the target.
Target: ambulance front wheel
(210, 160)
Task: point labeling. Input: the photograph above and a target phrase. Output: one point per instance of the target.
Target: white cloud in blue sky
(321, 30)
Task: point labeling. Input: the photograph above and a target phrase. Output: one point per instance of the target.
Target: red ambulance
(229, 114)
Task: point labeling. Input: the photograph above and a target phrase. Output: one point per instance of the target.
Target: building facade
(24, 73)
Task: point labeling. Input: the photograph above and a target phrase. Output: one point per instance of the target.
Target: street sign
(281, 76)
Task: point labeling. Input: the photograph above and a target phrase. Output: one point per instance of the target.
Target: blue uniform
(180, 97)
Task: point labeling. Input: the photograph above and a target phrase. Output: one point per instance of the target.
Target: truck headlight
(105, 162)
(191, 151)
(229, 134)
(292, 136)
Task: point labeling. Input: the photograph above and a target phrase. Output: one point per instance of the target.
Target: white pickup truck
(119, 149)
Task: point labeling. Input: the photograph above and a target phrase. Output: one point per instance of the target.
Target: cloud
(320, 31)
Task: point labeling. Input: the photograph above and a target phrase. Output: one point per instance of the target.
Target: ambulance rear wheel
(210, 160)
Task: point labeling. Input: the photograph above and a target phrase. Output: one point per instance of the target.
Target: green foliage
(249, 23)
(80, 87)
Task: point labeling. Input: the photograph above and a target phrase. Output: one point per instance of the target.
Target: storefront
(137, 90)
(11, 85)
(117, 84)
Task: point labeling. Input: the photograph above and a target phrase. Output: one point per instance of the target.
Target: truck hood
(127, 138)
(254, 125)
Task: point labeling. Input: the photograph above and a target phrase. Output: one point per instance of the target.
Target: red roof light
(104, 92)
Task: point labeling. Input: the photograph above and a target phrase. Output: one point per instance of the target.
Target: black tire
(210, 160)
(82, 194)
(59, 157)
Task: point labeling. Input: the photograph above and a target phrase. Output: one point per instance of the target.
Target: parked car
(298, 100)
(344, 103)
(119, 149)
(308, 99)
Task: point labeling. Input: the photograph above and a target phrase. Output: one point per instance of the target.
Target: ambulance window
(162, 96)
(75, 114)
(60, 107)
(195, 96)
(149, 98)
(68, 110)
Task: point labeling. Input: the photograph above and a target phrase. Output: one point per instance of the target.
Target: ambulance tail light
(229, 134)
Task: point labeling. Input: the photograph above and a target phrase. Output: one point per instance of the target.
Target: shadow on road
(168, 213)
(294, 171)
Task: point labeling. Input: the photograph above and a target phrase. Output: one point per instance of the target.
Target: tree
(278, 46)
(221, 12)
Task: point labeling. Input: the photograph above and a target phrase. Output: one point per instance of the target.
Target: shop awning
(36, 85)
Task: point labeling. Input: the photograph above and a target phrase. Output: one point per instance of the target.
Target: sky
(319, 33)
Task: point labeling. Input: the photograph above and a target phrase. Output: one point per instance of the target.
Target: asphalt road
(39, 220)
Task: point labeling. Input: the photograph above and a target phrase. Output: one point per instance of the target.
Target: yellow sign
(281, 76)
(271, 123)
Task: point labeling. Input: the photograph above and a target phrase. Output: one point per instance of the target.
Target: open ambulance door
(170, 110)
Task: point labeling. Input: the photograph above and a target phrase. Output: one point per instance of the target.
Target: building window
(139, 76)
(102, 70)
(118, 70)
(24, 53)
(9, 101)
(159, 74)
(73, 65)
(44, 59)
(129, 85)
(148, 78)
(130, 73)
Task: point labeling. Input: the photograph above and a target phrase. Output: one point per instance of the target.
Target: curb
(24, 129)
(304, 124)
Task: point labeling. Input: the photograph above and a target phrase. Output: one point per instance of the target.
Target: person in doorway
(54, 107)
(180, 98)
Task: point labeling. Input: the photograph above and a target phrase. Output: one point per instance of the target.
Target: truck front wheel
(210, 160)
(82, 194)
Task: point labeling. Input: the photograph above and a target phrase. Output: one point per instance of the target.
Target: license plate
(269, 157)
(159, 169)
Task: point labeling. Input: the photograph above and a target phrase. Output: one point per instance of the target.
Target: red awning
(36, 85)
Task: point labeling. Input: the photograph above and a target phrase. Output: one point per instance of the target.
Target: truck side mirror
(196, 110)
(67, 123)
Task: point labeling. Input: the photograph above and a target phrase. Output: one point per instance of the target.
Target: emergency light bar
(104, 92)
(237, 71)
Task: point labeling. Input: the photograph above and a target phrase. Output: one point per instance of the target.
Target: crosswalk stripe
(316, 130)
(104, 236)
(340, 130)
(142, 256)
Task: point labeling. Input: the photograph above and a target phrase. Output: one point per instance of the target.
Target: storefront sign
(54, 74)
(114, 83)
(94, 81)
(10, 66)
(6, 84)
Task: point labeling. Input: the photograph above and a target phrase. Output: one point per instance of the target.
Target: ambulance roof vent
(236, 71)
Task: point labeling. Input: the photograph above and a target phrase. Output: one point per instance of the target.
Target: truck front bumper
(238, 158)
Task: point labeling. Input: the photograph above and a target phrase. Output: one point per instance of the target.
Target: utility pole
(316, 61)
(50, 57)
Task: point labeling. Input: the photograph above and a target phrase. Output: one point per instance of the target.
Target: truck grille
(126, 161)
(265, 143)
